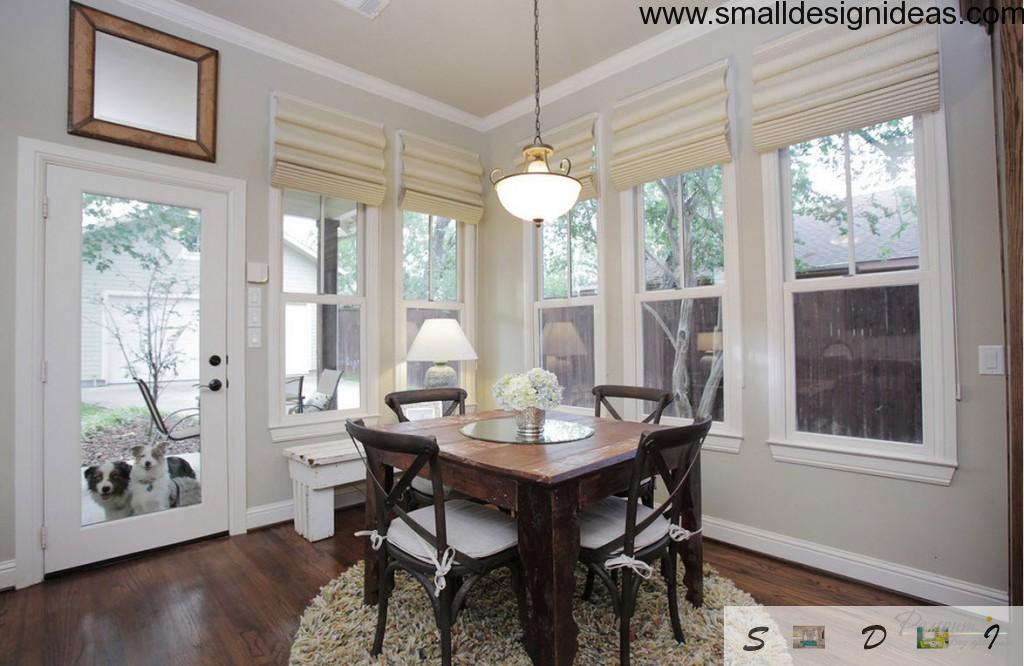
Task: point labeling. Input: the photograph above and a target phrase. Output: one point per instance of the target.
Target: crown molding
(207, 23)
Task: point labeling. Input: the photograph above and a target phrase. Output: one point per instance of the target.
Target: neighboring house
(105, 295)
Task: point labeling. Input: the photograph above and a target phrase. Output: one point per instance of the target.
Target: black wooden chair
(448, 547)
(420, 492)
(621, 535)
(661, 399)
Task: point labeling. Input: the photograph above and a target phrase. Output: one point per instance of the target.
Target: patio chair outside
(173, 426)
(326, 396)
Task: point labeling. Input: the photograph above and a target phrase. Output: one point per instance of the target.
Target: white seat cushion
(606, 521)
(472, 529)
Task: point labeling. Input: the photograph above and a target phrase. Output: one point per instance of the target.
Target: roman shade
(440, 179)
(573, 140)
(676, 127)
(317, 149)
(830, 79)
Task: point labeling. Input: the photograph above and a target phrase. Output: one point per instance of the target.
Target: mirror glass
(142, 87)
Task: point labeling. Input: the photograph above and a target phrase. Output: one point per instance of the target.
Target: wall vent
(368, 8)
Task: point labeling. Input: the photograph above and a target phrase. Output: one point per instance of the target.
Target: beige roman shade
(440, 179)
(831, 79)
(321, 150)
(679, 126)
(573, 140)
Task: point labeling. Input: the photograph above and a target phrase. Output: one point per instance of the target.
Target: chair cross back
(425, 450)
(661, 398)
(652, 450)
(451, 398)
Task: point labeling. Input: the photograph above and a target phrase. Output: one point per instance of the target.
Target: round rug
(337, 628)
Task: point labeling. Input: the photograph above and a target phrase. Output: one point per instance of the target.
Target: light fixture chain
(536, 70)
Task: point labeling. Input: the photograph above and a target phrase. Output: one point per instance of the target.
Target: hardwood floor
(237, 600)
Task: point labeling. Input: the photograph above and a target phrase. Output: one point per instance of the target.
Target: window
(861, 286)
(682, 256)
(434, 281)
(323, 306)
(565, 301)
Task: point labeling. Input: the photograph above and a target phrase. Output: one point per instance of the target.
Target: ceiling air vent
(368, 8)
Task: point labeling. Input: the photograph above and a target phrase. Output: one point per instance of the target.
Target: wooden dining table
(546, 485)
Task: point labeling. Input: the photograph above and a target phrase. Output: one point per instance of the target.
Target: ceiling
(475, 55)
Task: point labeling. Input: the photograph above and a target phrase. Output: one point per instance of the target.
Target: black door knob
(214, 385)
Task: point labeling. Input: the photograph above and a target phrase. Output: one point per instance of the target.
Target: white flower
(537, 388)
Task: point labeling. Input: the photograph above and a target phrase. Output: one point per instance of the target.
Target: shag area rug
(337, 628)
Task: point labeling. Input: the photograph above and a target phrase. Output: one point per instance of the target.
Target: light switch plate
(991, 360)
(255, 316)
(255, 337)
(256, 271)
(255, 297)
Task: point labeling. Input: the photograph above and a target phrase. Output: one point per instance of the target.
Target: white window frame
(466, 303)
(725, 436)
(286, 427)
(935, 460)
(534, 302)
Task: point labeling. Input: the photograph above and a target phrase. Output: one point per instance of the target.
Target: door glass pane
(567, 349)
(322, 357)
(415, 371)
(682, 353)
(858, 363)
(140, 320)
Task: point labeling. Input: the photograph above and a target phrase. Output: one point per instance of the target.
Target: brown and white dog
(155, 480)
(108, 485)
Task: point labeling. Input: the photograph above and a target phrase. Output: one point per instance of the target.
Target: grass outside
(97, 419)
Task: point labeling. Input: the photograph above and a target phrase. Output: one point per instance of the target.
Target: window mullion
(850, 241)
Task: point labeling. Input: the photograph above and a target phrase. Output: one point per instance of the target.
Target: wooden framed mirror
(141, 87)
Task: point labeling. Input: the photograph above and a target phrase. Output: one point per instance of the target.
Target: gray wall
(33, 78)
(884, 518)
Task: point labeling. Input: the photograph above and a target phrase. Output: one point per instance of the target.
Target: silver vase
(530, 423)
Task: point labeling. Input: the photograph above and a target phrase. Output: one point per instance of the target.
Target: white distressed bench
(315, 470)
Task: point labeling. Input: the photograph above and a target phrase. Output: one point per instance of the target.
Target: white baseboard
(283, 511)
(7, 575)
(897, 577)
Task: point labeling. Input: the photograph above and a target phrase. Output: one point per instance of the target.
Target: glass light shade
(537, 194)
(441, 340)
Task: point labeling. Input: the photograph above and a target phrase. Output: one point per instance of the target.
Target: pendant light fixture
(538, 193)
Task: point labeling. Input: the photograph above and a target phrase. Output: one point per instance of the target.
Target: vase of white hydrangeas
(528, 395)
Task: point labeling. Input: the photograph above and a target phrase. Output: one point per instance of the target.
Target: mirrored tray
(555, 431)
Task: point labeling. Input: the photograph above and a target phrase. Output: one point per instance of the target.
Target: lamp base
(440, 375)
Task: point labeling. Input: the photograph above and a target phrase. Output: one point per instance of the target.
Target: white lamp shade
(561, 338)
(538, 194)
(441, 340)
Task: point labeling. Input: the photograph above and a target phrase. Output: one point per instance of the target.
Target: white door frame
(33, 158)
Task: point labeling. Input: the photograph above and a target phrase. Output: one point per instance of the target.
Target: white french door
(135, 287)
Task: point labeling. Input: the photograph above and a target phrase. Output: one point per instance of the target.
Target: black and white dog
(159, 481)
(108, 484)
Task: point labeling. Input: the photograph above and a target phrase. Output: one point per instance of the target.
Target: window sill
(292, 432)
(937, 471)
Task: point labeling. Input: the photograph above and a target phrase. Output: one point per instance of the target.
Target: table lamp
(439, 341)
